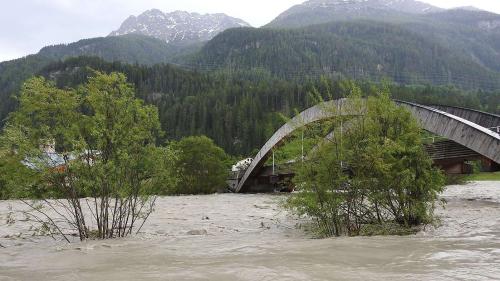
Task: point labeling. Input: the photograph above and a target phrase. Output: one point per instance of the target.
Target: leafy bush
(201, 166)
(373, 173)
(103, 145)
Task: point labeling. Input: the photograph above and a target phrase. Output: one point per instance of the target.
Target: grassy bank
(484, 177)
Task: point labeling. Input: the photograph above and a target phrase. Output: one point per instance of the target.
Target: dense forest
(473, 34)
(257, 73)
(242, 110)
(130, 48)
(354, 50)
(12, 75)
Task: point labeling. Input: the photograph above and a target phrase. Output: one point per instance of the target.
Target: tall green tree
(104, 139)
(202, 166)
(393, 164)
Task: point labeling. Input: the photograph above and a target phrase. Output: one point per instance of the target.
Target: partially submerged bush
(101, 144)
(373, 173)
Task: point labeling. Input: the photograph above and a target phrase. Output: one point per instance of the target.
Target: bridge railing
(495, 129)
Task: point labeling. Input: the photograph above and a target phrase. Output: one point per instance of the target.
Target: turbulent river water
(248, 237)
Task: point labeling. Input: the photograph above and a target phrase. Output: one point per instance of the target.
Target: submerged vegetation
(96, 141)
(373, 174)
(91, 157)
(121, 141)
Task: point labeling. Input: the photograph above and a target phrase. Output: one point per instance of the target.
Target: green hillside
(236, 88)
(359, 49)
(240, 111)
(135, 49)
(132, 48)
(473, 34)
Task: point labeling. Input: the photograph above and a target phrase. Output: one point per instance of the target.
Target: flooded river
(247, 237)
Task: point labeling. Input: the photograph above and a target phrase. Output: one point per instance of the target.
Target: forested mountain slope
(354, 49)
(322, 11)
(131, 48)
(235, 87)
(12, 75)
(136, 49)
(241, 111)
(473, 33)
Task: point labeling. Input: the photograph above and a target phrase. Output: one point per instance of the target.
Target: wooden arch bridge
(472, 130)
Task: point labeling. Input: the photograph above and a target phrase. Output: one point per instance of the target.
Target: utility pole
(273, 162)
(341, 134)
(302, 145)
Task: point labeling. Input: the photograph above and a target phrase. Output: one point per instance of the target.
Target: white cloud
(7, 54)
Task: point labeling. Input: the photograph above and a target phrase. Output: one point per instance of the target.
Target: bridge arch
(444, 124)
(485, 119)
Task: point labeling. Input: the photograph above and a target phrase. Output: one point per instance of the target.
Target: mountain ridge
(443, 47)
(178, 27)
(129, 48)
(322, 11)
(351, 49)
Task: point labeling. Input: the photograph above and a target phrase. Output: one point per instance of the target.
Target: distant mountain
(405, 40)
(474, 34)
(321, 11)
(178, 27)
(361, 49)
(469, 8)
(131, 48)
(470, 33)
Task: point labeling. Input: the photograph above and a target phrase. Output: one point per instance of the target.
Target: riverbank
(485, 177)
(248, 237)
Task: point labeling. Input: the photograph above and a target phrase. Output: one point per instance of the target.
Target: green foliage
(485, 177)
(131, 48)
(449, 48)
(201, 166)
(360, 50)
(462, 32)
(165, 174)
(240, 112)
(298, 144)
(374, 172)
(105, 148)
(12, 76)
(16, 180)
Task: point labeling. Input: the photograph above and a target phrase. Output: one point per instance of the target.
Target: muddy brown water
(248, 237)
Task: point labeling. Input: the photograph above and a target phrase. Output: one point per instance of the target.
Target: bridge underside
(454, 158)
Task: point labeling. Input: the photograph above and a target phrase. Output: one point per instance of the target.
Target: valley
(341, 139)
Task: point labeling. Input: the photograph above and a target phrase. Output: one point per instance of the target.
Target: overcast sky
(28, 25)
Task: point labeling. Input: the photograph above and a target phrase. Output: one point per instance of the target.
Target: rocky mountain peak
(178, 26)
